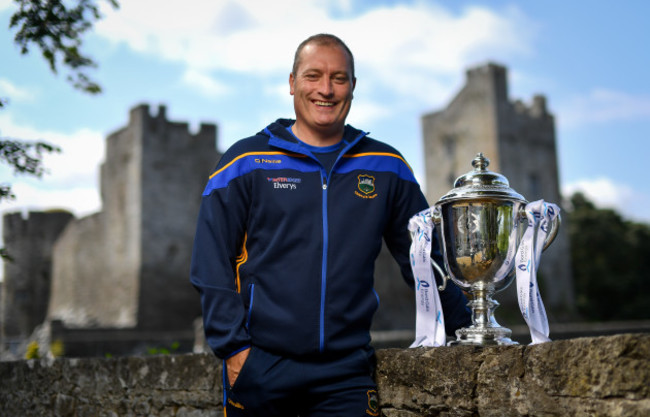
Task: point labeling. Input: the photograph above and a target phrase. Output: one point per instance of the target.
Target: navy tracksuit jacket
(284, 252)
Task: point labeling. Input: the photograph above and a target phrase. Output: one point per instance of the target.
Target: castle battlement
(159, 123)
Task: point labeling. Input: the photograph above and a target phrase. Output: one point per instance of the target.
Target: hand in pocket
(234, 365)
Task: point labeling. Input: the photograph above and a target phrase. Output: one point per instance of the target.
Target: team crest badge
(373, 403)
(366, 183)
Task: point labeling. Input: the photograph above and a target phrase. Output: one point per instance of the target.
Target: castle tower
(27, 275)
(519, 140)
(128, 265)
(174, 170)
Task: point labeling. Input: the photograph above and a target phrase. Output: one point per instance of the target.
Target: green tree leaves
(611, 260)
(56, 27)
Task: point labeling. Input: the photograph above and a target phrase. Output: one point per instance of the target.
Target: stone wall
(601, 376)
(28, 276)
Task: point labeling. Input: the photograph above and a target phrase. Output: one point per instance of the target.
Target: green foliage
(57, 348)
(32, 351)
(56, 27)
(5, 255)
(25, 157)
(610, 259)
(164, 350)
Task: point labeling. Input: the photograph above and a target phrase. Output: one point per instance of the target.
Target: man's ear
(291, 81)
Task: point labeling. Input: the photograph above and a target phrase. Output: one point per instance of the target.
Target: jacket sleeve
(219, 240)
(409, 202)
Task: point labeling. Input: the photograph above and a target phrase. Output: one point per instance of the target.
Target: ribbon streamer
(540, 215)
(429, 320)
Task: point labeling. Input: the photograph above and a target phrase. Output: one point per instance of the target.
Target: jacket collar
(281, 138)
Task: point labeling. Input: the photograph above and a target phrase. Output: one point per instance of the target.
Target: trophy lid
(481, 183)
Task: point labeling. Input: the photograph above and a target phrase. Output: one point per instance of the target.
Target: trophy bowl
(482, 221)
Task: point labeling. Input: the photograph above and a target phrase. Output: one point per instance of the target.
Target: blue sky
(227, 62)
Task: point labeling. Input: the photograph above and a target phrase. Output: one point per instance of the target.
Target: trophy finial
(481, 162)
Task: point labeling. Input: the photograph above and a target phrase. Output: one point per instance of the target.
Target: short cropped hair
(322, 39)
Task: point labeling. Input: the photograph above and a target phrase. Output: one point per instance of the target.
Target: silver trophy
(481, 222)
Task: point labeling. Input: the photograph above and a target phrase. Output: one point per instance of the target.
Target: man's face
(322, 89)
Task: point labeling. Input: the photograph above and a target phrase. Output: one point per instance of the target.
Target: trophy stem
(484, 329)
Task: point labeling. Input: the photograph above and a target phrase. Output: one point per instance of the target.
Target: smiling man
(322, 83)
(291, 222)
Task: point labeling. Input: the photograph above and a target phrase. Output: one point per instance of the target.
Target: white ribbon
(429, 320)
(540, 215)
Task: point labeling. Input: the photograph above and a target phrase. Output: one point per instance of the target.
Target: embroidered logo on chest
(365, 186)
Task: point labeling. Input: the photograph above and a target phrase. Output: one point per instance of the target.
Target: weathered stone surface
(179, 386)
(602, 376)
(28, 277)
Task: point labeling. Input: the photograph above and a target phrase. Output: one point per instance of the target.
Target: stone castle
(124, 269)
(117, 280)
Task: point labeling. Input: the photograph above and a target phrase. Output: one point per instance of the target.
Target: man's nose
(325, 87)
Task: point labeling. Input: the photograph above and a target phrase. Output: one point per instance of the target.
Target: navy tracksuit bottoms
(270, 385)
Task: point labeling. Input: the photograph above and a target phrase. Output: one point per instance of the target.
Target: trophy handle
(555, 227)
(436, 218)
(444, 276)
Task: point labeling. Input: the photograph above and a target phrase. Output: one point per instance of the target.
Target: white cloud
(603, 105)
(239, 36)
(80, 201)
(606, 193)
(366, 112)
(15, 93)
(72, 179)
(204, 84)
(5, 4)
(405, 49)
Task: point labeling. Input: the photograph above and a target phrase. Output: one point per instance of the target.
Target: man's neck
(317, 138)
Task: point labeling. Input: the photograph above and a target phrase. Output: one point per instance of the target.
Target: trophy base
(489, 336)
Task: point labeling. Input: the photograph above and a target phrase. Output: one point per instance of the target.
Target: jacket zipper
(323, 284)
(325, 184)
(325, 181)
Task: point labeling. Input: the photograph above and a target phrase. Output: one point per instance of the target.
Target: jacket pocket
(244, 371)
(251, 300)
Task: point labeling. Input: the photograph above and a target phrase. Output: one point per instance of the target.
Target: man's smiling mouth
(324, 103)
